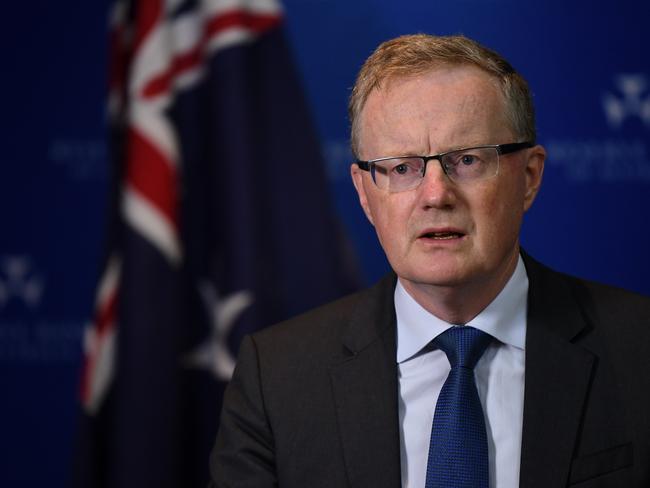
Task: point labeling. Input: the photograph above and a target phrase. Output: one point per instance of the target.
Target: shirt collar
(504, 318)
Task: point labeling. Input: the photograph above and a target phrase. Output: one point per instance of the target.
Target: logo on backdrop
(621, 156)
(81, 159)
(633, 100)
(20, 281)
(27, 334)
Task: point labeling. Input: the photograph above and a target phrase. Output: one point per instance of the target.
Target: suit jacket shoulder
(335, 330)
(587, 393)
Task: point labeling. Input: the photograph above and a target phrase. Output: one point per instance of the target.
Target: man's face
(444, 233)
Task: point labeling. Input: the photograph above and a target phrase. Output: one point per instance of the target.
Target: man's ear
(534, 170)
(359, 184)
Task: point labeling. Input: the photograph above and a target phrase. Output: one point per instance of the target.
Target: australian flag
(220, 225)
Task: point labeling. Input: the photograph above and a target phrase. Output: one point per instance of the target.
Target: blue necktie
(458, 451)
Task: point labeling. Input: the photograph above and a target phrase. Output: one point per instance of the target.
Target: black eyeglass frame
(501, 149)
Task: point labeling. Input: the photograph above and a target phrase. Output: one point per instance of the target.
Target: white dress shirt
(499, 377)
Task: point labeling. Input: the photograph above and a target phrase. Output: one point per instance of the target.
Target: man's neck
(458, 304)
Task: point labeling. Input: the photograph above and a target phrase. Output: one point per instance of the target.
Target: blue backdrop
(589, 70)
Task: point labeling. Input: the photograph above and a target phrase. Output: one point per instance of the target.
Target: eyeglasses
(401, 173)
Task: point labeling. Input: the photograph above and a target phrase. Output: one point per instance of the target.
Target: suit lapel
(558, 374)
(364, 386)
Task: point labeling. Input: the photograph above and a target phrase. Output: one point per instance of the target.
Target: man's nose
(436, 189)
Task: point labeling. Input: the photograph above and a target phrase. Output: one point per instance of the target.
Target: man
(372, 390)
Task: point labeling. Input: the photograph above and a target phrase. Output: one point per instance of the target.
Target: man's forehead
(458, 97)
(440, 75)
(443, 91)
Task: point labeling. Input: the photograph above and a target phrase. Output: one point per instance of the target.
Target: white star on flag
(213, 354)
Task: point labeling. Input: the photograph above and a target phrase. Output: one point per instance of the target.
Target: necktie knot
(463, 345)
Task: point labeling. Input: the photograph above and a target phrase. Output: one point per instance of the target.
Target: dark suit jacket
(313, 401)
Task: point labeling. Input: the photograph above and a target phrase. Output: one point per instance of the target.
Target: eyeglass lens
(405, 173)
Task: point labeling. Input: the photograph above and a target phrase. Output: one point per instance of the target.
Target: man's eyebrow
(393, 154)
(398, 151)
(465, 145)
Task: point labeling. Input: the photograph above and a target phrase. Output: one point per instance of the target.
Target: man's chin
(439, 277)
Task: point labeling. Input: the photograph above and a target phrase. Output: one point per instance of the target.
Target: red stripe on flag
(104, 321)
(106, 316)
(184, 62)
(192, 58)
(151, 173)
(258, 23)
(149, 13)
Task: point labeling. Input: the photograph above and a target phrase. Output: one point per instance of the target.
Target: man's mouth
(442, 236)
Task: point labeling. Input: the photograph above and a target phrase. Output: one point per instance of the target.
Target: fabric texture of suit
(313, 401)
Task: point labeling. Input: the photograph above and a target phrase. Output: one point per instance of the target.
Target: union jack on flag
(220, 225)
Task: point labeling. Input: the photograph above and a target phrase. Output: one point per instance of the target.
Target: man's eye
(401, 169)
(468, 159)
